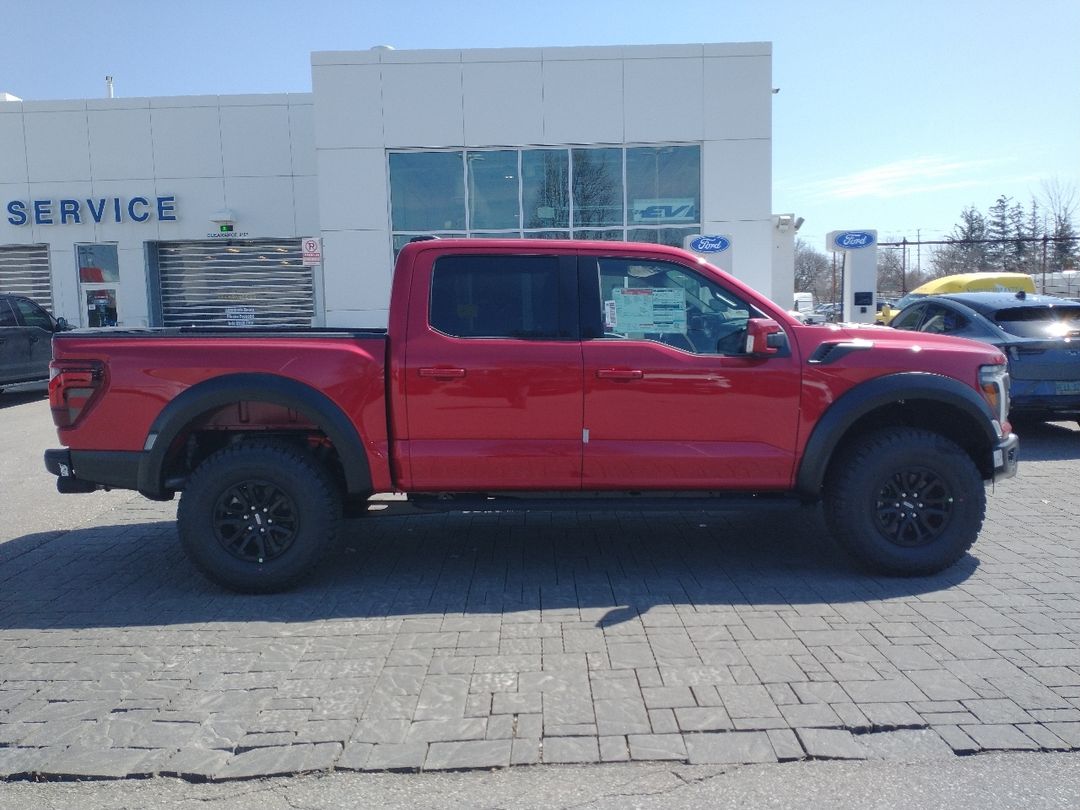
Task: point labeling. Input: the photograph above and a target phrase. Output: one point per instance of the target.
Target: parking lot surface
(496, 639)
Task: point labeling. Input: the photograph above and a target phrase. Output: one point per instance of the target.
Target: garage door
(24, 270)
(258, 282)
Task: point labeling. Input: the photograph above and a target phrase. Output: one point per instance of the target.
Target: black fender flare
(231, 388)
(876, 393)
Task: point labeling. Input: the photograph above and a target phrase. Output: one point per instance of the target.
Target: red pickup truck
(537, 374)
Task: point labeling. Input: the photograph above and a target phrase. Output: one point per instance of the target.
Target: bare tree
(813, 271)
(1060, 202)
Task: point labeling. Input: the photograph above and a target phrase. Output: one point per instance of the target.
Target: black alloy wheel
(904, 501)
(256, 521)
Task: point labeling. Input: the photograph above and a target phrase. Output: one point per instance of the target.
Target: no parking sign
(312, 248)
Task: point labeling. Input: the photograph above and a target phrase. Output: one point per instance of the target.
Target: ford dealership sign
(849, 240)
(710, 244)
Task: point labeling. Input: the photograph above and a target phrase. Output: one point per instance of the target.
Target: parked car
(1040, 334)
(958, 283)
(26, 332)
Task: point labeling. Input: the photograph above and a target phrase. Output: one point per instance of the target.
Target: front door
(99, 276)
(672, 400)
(492, 377)
(37, 327)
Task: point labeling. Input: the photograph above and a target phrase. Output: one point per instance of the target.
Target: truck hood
(894, 349)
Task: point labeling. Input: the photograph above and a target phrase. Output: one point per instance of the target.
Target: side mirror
(62, 325)
(764, 337)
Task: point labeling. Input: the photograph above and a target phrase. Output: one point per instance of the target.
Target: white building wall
(299, 165)
(368, 102)
(254, 155)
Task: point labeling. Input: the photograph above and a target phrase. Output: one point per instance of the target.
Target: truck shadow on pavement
(603, 568)
(1048, 441)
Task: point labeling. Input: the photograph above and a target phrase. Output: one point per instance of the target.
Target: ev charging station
(859, 250)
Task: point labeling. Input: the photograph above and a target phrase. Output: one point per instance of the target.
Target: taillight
(72, 386)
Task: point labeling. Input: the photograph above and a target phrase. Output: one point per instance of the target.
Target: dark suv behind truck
(26, 332)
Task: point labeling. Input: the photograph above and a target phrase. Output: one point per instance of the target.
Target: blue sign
(710, 244)
(849, 240)
(101, 209)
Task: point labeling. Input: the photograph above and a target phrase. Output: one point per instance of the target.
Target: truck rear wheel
(257, 516)
(905, 501)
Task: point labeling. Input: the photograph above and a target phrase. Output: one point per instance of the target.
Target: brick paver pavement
(488, 640)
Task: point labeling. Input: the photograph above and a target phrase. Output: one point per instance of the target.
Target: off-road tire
(905, 501)
(257, 516)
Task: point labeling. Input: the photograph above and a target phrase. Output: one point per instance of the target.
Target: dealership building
(289, 208)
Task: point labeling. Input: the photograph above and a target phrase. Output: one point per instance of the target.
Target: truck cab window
(496, 297)
(667, 303)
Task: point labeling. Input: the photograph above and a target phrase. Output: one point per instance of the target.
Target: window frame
(591, 302)
(574, 226)
(566, 317)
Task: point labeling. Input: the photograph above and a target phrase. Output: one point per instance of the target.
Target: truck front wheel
(257, 516)
(905, 501)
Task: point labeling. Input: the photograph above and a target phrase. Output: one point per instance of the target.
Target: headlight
(994, 385)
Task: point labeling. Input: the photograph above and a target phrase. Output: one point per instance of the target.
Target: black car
(26, 332)
(1040, 334)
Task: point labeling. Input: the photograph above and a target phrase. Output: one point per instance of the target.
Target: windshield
(1039, 322)
(907, 299)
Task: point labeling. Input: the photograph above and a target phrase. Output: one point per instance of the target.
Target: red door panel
(661, 418)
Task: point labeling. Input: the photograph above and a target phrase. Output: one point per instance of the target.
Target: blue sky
(891, 115)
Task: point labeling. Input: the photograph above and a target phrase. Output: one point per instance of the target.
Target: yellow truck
(961, 282)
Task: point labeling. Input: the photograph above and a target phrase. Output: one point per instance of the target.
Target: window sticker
(611, 319)
(650, 310)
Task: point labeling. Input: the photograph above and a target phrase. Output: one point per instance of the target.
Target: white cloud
(903, 178)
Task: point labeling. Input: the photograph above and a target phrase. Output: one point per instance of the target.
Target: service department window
(667, 303)
(636, 193)
(427, 191)
(496, 297)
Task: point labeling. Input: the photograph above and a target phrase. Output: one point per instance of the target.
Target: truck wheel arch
(186, 408)
(908, 390)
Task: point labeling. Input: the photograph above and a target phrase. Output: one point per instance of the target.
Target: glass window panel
(7, 314)
(598, 188)
(643, 299)
(493, 189)
(97, 264)
(663, 184)
(615, 235)
(661, 236)
(547, 234)
(427, 191)
(496, 296)
(402, 239)
(495, 235)
(545, 177)
(33, 315)
(101, 307)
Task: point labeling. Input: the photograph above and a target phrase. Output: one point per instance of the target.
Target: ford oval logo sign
(853, 239)
(710, 244)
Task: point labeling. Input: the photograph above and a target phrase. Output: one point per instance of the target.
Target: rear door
(492, 374)
(672, 400)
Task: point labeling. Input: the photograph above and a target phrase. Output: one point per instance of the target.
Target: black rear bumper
(88, 470)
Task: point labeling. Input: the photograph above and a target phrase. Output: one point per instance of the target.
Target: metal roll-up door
(257, 282)
(24, 270)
